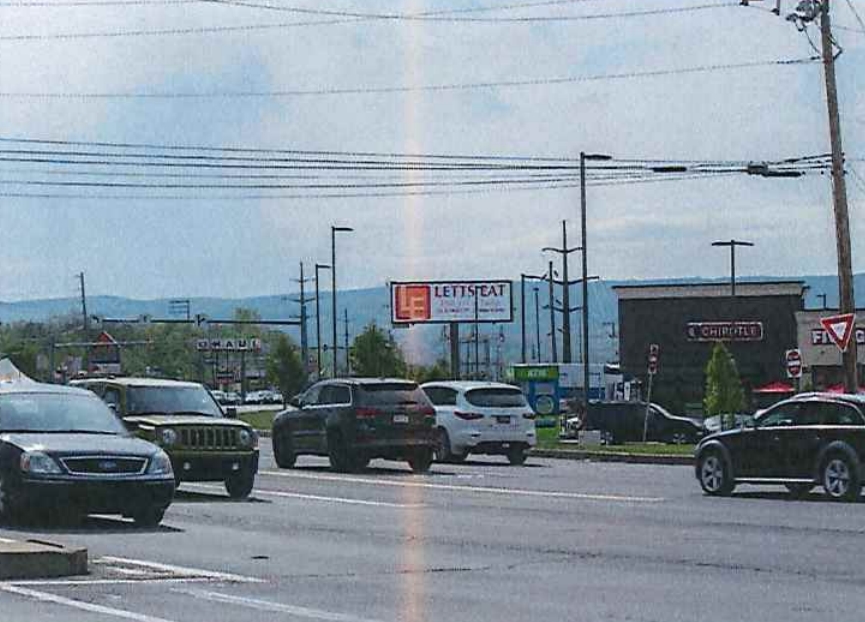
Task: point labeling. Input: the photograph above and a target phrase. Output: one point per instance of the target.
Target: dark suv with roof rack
(185, 420)
(812, 439)
(354, 420)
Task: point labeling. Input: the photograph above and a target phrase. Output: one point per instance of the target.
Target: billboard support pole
(455, 350)
(477, 341)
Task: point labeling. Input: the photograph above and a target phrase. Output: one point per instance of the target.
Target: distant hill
(423, 344)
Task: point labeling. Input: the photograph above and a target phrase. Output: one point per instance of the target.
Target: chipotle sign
(725, 331)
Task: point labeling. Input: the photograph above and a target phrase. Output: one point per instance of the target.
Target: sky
(357, 77)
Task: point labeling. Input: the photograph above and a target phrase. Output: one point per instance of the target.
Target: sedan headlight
(38, 463)
(167, 437)
(248, 438)
(160, 464)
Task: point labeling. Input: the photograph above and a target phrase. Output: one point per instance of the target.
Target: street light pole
(537, 323)
(333, 309)
(732, 244)
(318, 267)
(523, 279)
(585, 157)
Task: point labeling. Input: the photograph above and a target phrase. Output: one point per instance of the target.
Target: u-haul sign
(431, 302)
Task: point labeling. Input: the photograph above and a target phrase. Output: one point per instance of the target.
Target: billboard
(437, 302)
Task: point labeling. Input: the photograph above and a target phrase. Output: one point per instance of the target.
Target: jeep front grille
(209, 437)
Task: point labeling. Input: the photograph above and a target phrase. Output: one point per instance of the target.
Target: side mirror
(231, 412)
(296, 402)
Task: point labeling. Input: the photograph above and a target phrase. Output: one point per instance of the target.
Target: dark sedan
(354, 420)
(810, 440)
(62, 451)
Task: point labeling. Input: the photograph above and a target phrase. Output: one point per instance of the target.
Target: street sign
(793, 361)
(839, 328)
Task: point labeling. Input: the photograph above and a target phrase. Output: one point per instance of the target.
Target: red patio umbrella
(775, 387)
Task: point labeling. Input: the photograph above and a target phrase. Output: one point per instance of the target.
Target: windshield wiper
(194, 413)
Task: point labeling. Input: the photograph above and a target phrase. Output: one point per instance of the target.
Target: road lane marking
(306, 497)
(266, 605)
(45, 597)
(477, 489)
(177, 572)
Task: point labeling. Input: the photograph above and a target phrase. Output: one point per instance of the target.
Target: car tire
(680, 438)
(517, 456)
(150, 517)
(443, 446)
(283, 450)
(10, 511)
(799, 491)
(342, 459)
(421, 459)
(714, 474)
(239, 485)
(839, 477)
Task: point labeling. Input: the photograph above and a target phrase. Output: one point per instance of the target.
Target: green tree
(285, 369)
(376, 354)
(440, 371)
(724, 393)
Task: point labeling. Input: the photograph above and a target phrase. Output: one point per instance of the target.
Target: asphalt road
(554, 540)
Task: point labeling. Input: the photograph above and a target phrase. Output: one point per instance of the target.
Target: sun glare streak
(413, 557)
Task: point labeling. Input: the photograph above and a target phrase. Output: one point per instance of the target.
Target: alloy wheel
(836, 478)
(712, 474)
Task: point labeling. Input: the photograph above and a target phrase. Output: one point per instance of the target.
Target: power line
(423, 88)
(90, 3)
(856, 14)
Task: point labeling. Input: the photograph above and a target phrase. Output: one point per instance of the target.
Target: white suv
(481, 418)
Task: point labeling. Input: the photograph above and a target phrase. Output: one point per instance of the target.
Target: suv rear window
(496, 398)
(390, 393)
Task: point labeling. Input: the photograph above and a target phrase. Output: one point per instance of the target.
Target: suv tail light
(468, 416)
(367, 413)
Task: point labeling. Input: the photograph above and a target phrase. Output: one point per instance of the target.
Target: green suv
(183, 419)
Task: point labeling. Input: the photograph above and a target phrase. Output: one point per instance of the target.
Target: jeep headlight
(160, 464)
(167, 437)
(38, 463)
(247, 438)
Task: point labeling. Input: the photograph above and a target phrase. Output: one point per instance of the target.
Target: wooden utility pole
(839, 196)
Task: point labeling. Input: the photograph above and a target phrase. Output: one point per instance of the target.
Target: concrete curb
(612, 456)
(35, 559)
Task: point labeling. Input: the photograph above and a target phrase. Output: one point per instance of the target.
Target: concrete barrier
(35, 559)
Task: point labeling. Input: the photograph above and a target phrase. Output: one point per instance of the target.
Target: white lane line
(179, 572)
(45, 597)
(476, 489)
(305, 497)
(266, 605)
(79, 582)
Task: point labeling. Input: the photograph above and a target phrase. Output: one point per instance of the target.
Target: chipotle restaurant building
(758, 326)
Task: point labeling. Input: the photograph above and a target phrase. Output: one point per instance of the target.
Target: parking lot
(480, 541)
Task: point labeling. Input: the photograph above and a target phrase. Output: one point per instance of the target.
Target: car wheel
(679, 438)
(283, 450)
(517, 455)
(341, 458)
(840, 479)
(799, 491)
(240, 484)
(150, 517)
(421, 459)
(443, 446)
(10, 512)
(715, 476)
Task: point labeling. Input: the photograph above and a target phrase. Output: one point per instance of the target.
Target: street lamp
(333, 232)
(318, 268)
(586, 157)
(732, 244)
(523, 278)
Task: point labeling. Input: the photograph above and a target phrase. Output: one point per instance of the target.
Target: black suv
(813, 439)
(354, 420)
(624, 422)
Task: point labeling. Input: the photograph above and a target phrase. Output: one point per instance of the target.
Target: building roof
(745, 289)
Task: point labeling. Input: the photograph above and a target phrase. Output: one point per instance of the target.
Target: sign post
(654, 356)
(793, 363)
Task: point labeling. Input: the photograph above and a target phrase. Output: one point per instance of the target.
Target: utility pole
(839, 196)
(523, 279)
(732, 244)
(537, 324)
(333, 308)
(84, 315)
(303, 300)
(347, 358)
(564, 251)
(552, 305)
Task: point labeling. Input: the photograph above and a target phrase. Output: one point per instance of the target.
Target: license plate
(502, 419)
(400, 418)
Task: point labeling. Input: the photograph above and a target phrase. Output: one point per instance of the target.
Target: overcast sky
(195, 246)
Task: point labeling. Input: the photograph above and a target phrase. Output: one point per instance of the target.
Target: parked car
(481, 418)
(813, 439)
(62, 450)
(735, 420)
(183, 418)
(354, 420)
(623, 422)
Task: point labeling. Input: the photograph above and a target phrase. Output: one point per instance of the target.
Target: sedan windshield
(171, 401)
(55, 412)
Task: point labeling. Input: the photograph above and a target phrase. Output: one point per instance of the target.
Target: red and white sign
(793, 361)
(654, 356)
(430, 302)
(839, 328)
